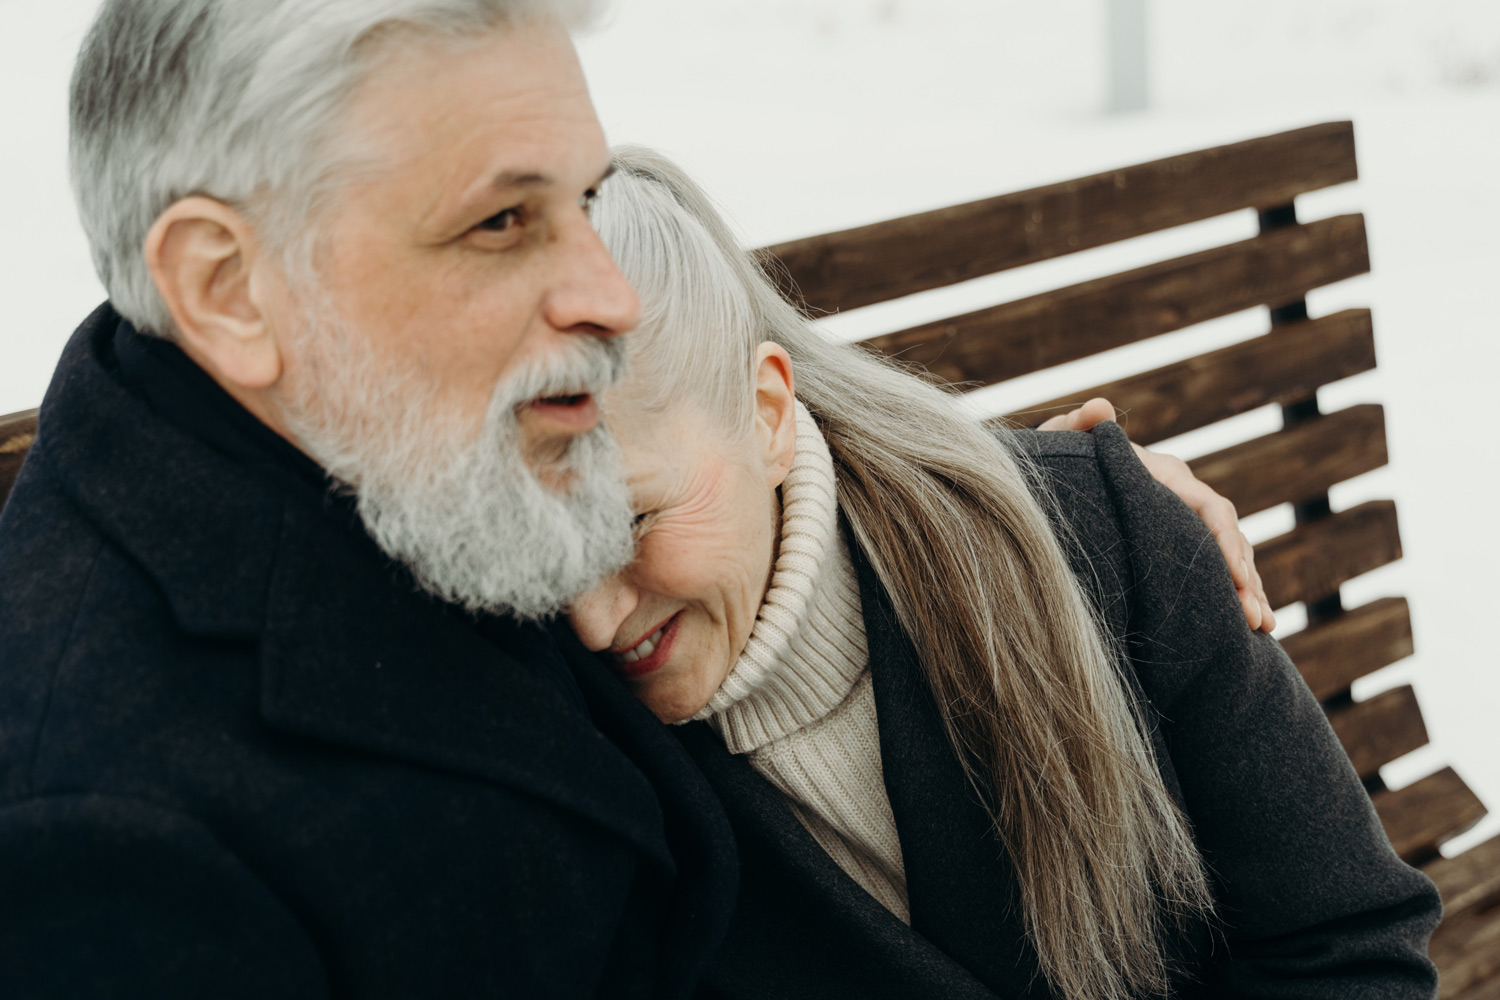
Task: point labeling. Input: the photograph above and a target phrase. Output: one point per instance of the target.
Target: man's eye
(501, 221)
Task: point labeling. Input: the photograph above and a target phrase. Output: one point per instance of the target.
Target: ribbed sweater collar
(807, 648)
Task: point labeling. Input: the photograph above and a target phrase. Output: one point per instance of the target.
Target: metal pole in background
(1127, 55)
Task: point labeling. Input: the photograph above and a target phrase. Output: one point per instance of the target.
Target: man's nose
(596, 616)
(590, 295)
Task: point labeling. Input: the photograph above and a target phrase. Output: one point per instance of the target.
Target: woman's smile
(649, 652)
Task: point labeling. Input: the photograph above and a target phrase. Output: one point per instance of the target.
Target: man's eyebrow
(521, 178)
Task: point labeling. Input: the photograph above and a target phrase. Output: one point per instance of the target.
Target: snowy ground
(809, 115)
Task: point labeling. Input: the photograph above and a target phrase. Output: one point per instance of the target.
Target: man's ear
(775, 411)
(202, 254)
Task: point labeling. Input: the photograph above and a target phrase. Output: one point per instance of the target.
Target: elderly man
(259, 740)
(264, 738)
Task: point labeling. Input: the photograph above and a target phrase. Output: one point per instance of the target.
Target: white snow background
(803, 116)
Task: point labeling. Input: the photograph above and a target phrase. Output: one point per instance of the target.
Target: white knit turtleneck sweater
(799, 700)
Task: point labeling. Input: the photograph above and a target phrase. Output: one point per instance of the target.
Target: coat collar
(201, 528)
(351, 653)
(966, 934)
(801, 913)
(961, 887)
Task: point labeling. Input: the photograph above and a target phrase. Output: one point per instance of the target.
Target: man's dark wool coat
(241, 755)
(1312, 901)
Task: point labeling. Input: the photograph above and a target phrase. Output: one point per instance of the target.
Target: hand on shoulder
(1217, 512)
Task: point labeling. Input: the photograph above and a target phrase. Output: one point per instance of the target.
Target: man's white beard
(469, 518)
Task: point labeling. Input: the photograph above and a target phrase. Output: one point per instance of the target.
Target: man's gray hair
(232, 99)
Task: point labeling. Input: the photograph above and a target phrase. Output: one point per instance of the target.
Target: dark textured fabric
(187, 396)
(242, 756)
(1312, 901)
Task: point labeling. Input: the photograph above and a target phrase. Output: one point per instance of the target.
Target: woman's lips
(575, 414)
(650, 653)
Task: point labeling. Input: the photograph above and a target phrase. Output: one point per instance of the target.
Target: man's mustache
(589, 365)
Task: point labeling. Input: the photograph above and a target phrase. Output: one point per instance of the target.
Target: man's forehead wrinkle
(449, 129)
(449, 102)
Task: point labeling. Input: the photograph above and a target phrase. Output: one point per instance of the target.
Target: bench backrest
(1285, 366)
(17, 432)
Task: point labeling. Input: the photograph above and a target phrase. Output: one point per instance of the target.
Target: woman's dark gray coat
(1312, 901)
(241, 756)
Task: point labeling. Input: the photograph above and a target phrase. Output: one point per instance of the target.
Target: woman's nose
(596, 615)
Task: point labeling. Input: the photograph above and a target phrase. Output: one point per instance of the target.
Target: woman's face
(674, 621)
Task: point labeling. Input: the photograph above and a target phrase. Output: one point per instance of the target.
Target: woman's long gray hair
(1028, 682)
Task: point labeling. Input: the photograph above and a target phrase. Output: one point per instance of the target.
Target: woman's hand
(1217, 512)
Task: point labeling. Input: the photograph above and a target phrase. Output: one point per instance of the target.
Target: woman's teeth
(645, 649)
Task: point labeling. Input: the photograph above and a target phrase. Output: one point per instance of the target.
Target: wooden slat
(1469, 880)
(1466, 950)
(1487, 989)
(1069, 323)
(1334, 654)
(1297, 464)
(1422, 816)
(886, 260)
(1289, 363)
(1311, 561)
(1376, 731)
(17, 432)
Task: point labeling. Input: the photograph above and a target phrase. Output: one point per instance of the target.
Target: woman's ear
(775, 411)
(202, 254)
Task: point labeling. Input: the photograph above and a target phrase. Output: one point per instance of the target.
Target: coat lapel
(697, 830)
(961, 886)
(353, 654)
(804, 928)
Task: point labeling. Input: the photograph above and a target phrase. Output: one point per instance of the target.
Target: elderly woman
(982, 708)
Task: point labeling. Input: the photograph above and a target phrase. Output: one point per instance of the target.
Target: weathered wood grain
(17, 432)
(1040, 331)
(1421, 817)
(1376, 731)
(1334, 654)
(1311, 561)
(886, 260)
(1297, 464)
(1289, 363)
(1469, 880)
(1466, 950)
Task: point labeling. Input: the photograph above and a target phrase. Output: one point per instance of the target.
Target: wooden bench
(1285, 366)
(1296, 465)
(17, 432)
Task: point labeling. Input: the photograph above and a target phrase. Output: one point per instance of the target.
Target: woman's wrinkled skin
(673, 622)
